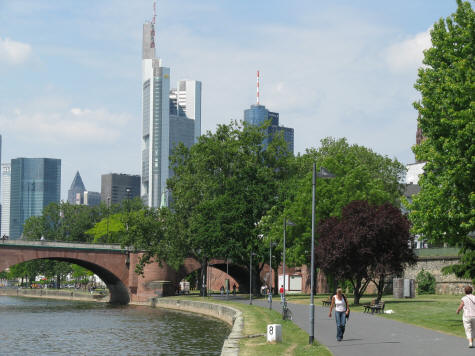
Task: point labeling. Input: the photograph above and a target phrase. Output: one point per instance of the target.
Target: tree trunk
(380, 286)
(359, 288)
(58, 281)
(204, 278)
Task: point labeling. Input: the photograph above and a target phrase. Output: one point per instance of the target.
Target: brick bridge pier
(113, 264)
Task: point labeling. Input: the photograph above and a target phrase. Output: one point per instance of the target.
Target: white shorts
(469, 325)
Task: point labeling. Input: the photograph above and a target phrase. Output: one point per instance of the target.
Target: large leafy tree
(366, 242)
(444, 210)
(222, 187)
(360, 174)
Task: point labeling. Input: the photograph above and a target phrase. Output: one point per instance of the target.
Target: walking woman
(342, 310)
(468, 305)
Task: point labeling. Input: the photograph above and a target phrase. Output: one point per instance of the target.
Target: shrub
(425, 283)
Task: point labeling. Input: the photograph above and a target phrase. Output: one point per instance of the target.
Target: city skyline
(344, 70)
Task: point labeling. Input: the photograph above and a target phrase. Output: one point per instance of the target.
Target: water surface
(30, 326)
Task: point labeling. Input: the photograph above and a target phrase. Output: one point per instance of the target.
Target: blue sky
(70, 72)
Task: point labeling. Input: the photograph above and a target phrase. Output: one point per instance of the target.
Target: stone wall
(445, 284)
(53, 294)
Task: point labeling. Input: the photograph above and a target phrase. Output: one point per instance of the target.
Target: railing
(61, 244)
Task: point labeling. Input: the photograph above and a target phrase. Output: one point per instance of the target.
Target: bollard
(274, 333)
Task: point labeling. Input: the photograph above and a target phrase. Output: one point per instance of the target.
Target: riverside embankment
(62, 294)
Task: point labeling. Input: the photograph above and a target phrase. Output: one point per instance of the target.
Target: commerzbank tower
(169, 116)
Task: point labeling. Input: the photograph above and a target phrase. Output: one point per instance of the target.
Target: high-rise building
(258, 115)
(35, 183)
(91, 198)
(76, 191)
(117, 187)
(5, 171)
(169, 117)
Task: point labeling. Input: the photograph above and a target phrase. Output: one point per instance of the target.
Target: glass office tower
(257, 115)
(35, 183)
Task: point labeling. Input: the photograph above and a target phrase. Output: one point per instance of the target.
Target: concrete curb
(225, 313)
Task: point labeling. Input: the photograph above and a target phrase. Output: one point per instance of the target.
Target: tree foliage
(361, 174)
(366, 242)
(444, 210)
(221, 188)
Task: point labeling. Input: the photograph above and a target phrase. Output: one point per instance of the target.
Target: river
(30, 326)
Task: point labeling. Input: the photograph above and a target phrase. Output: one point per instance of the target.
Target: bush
(425, 283)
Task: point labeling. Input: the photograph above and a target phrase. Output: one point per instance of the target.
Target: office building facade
(118, 187)
(35, 183)
(168, 117)
(76, 191)
(258, 115)
(6, 176)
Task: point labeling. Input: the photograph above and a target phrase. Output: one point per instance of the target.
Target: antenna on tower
(154, 12)
(152, 32)
(257, 94)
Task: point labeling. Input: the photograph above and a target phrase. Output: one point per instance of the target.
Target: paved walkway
(371, 335)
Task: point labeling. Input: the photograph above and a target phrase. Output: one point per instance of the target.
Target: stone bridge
(114, 265)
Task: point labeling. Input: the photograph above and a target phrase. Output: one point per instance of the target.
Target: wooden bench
(367, 307)
(376, 307)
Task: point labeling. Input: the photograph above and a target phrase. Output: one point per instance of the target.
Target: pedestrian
(281, 292)
(221, 290)
(342, 311)
(234, 289)
(468, 306)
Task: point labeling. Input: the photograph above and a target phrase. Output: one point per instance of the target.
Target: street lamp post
(290, 223)
(323, 173)
(108, 215)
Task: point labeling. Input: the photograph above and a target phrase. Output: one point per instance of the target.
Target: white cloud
(14, 52)
(408, 54)
(74, 125)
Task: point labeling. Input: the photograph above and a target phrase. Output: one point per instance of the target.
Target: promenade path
(371, 335)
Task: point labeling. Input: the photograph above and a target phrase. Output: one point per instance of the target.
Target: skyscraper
(77, 190)
(5, 171)
(258, 115)
(117, 187)
(169, 117)
(35, 183)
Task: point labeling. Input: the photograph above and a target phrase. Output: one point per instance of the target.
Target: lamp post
(290, 223)
(108, 215)
(323, 173)
(227, 284)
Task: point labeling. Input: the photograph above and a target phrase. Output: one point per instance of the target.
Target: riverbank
(62, 294)
(255, 319)
(248, 322)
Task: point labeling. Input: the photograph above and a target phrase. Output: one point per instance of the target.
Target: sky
(70, 72)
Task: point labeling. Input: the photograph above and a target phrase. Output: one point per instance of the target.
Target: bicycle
(286, 312)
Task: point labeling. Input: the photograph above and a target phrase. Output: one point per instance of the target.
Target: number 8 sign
(274, 333)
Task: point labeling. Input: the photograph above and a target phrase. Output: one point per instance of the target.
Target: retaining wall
(52, 294)
(445, 284)
(225, 313)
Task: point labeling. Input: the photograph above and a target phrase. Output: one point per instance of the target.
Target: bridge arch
(236, 271)
(110, 266)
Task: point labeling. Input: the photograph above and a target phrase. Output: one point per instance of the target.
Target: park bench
(367, 307)
(374, 307)
(327, 303)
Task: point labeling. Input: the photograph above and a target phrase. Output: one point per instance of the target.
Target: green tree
(361, 174)
(444, 210)
(221, 188)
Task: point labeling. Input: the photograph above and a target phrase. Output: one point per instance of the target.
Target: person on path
(221, 290)
(234, 289)
(342, 310)
(468, 306)
(281, 292)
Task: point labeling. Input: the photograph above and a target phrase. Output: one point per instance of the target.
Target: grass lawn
(430, 311)
(295, 340)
